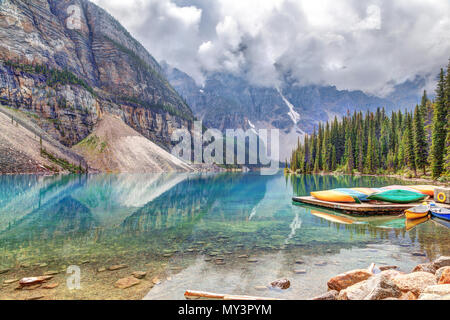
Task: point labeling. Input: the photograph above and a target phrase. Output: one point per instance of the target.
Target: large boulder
(425, 267)
(443, 277)
(415, 282)
(378, 287)
(435, 292)
(345, 280)
(441, 262)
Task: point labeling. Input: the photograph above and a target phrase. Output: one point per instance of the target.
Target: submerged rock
(384, 268)
(261, 288)
(139, 274)
(415, 282)
(26, 282)
(282, 284)
(300, 271)
(125, 283)
(9, 281)
(50, 286)
(117, 267)
(348, 279)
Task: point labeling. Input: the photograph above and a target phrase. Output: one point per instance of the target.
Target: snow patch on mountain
(292, 113)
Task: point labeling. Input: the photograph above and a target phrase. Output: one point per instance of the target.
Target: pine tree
(439, 132)
(447, 140)
(410, 154)
(350, 159)
(423, 104)
(420, 141)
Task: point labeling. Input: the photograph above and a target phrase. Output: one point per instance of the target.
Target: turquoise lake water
(196, 231)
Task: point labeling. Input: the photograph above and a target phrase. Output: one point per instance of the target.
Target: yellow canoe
(331, 217)
(415, 215)
(413, 223)
(425, 189)
(332, 196)
(418, 212)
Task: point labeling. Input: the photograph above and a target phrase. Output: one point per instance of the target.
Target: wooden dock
(355, 208)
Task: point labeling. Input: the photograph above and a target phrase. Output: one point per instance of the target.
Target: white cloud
(354, 44)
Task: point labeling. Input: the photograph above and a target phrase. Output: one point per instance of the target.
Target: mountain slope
(70, 62)
(228, 102)
(21, 144)
(115, 147)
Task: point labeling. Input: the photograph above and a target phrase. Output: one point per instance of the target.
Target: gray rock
(378, 287)
(441, 262)
(330, 295)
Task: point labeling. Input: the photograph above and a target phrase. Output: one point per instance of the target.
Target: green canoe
(397, 196)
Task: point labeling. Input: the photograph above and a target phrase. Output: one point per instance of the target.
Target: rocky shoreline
(428, 281)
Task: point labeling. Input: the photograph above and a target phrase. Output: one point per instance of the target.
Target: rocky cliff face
(68, 62)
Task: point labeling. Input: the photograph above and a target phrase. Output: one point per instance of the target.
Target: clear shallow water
(175, 226)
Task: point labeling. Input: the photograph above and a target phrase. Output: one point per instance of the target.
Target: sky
(352, 44)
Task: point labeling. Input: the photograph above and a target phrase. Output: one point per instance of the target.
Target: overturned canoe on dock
(397, 196)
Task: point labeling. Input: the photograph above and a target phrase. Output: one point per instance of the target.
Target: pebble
(43, 265)
(2, 271)
(252, 260)
(102, 269)
(300, 271)
(10, 281)
(51, 273)
(299, 262)
(419, 254)
(243, 256)
(117, 267)
(261, 288)
(156, 280)
(320, 264)
(139, 274)
(126, 282)
(50, 286)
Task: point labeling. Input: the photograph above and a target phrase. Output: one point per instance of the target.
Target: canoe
(397, 196)
(397, 187)
(333, 196)
(441, 213)
(417, 212)
(428, 190)
(411, 223)
(354, 193)
(367, 191)
(331, 217)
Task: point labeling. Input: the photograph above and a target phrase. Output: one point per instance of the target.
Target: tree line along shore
(408, 143)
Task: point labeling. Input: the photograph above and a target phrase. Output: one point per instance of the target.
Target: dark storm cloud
(353, 44)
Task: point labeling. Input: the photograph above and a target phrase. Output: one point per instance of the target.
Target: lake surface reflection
(228, 233)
